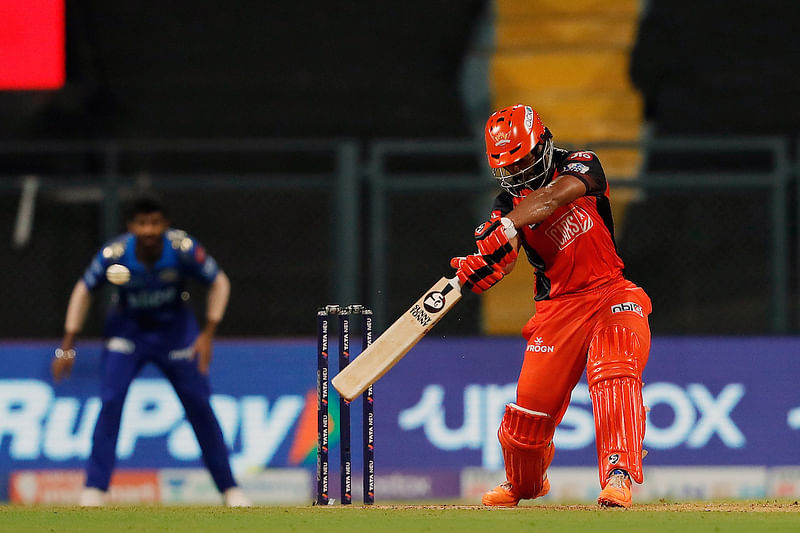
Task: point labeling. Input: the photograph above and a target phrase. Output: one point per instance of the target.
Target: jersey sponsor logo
(632, 307)
(150, 299)
(582, 156)
(433, 302)
(539, 346)
(569, 226)
(580, 168)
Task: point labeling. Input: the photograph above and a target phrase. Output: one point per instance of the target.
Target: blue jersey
(149, 322)
(154, 296)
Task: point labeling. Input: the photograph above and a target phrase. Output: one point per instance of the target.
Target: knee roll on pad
(527, 440)
(615, 386)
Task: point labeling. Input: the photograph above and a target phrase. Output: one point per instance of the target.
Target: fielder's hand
(492, 238)
(475, 273)
(62, 364)
(203, 350)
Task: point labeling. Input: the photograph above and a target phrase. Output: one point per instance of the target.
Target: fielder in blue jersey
(149, 322)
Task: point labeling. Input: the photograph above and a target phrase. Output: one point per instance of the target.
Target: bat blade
(398, 339)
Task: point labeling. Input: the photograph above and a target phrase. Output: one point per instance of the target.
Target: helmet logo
(501, 138)
(528, 118)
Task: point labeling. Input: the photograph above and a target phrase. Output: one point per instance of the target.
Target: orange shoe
(503, 495)
(617, 492)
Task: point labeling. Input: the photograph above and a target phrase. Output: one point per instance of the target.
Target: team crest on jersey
(569, 227)
(581, 156)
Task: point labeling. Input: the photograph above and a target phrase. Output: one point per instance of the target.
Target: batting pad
(527, 440)
(615, 386)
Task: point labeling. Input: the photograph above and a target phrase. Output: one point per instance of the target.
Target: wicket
(344, 313)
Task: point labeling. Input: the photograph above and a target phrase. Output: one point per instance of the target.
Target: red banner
(32, 36)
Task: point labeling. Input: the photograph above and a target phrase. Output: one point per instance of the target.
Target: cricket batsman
(555, 205)
(148, 321)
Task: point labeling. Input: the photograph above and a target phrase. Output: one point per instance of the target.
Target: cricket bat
(398, 339)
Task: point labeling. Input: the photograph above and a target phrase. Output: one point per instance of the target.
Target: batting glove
(475, 273)
(492, 238)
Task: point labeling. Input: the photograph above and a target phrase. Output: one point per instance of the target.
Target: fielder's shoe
(503, 495)
(92, 497)
(617, 492)
(234, 497)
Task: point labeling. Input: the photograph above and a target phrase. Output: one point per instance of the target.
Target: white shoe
(92, 497)
(234, 497)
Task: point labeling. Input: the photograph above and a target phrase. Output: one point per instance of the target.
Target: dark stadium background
(360, 72)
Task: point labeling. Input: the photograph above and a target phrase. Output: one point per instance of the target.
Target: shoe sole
(500, 505)
(607, 502)
(545, 489)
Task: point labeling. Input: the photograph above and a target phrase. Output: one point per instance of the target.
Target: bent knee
(615, 352)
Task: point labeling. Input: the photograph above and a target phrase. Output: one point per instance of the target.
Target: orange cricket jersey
(573, 250)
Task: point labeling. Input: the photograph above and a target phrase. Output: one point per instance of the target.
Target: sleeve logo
(633, 307)
(579, 168)
(581, 156)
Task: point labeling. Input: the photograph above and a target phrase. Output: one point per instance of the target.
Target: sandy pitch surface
(724, 507)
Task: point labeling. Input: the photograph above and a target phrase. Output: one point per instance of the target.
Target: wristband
(65, 354)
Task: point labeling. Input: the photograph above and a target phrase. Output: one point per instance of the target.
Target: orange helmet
(519, 148)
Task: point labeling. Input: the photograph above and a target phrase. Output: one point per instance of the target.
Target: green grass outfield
(751, 516)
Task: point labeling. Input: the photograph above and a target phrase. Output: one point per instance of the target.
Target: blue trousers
(128, 348)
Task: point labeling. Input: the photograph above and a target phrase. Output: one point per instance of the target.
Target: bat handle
(455, 282)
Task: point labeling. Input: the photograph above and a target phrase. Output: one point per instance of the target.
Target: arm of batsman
(475, 273)
(493, 238)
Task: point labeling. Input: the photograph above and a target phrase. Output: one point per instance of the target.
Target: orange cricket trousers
(559, 335)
